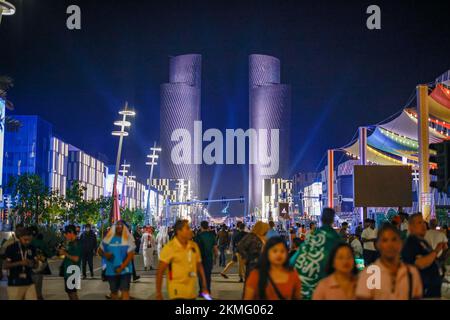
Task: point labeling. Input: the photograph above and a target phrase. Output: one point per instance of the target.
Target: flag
(115, 208)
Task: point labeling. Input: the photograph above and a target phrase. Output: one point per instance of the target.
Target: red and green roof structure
(395, 142)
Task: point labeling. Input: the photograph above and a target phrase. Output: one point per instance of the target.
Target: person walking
(340, 284)
(396, 279)
(137, 234)
(272, 232)
(343, 232)
(182, 259)
(238, 236)
(72, 257)
(313, 254)
(434, 237)
(207, 244)
(223, 241)
(118, 248)
(417, 251)
(88, 241)
(251, 246)
(148, 248)
(368, 238)
(273, 278)
(20, 258)
(42, 255)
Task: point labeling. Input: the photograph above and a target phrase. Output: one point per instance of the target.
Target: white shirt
(433, 237)
(369, 233)
(404, 226)
(148, 241)
(357, 247)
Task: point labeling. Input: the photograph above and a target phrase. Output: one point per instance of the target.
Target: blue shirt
(119, 252)
(272, 233)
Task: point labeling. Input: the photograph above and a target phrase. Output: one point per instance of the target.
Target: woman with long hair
(340, 284)
(273, 279)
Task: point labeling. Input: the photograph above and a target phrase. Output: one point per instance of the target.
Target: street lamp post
(152, 163)
(124, 171)
(6, 9)
(115, 211)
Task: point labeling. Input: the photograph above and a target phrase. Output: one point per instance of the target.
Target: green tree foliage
(133, 217)
(37, 205)
(32, 197)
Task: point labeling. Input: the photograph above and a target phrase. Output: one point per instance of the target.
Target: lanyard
(22, 255)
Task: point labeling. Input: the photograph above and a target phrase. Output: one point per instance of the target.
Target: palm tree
(11, 124)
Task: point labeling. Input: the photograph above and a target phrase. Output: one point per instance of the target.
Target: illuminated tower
(269, 108)
(180, 107)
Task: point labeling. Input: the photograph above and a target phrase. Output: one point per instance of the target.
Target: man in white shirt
(404, 221)
(148, 247)
(368, 237)
(433, 236)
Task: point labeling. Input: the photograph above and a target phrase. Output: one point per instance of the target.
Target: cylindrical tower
(180, 107)
(270, 108)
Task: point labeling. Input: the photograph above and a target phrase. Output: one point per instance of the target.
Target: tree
(75, 204)
(11, 124)
(32, 196)
(133, 217)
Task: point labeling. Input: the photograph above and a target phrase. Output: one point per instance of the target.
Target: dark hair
(297, 242)
(24, 232)
(70, 229)
(34, 230)
(242, 226)
(204, 224)
(271, 224)
(327, 217)
(345, 224)
(413, 217)
(179, 224)
(388, 227)
(329, 268)
(312, 224)
(264, 264)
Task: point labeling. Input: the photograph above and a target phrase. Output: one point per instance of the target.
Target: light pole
(6, 9)
(115, 210)
(149, 219)
(124, 171)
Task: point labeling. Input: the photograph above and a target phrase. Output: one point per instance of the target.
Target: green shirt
(313, 257)
(73, 249)
(206, 242)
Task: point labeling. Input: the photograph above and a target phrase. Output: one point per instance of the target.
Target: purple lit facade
(180, 107)
(270, 108)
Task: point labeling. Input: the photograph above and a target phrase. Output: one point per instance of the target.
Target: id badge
(22, 275)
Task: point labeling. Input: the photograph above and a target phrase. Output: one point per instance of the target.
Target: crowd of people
(403, 259)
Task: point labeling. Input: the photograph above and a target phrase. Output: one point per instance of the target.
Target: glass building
(28, 149)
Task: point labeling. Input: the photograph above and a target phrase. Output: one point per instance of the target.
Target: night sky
(342, 74)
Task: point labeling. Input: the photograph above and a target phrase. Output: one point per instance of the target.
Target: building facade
(274, 192)
(269, 108)
(34, 149)
(88, 171)
(132, 193)
(174, 191)
(180, 108)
